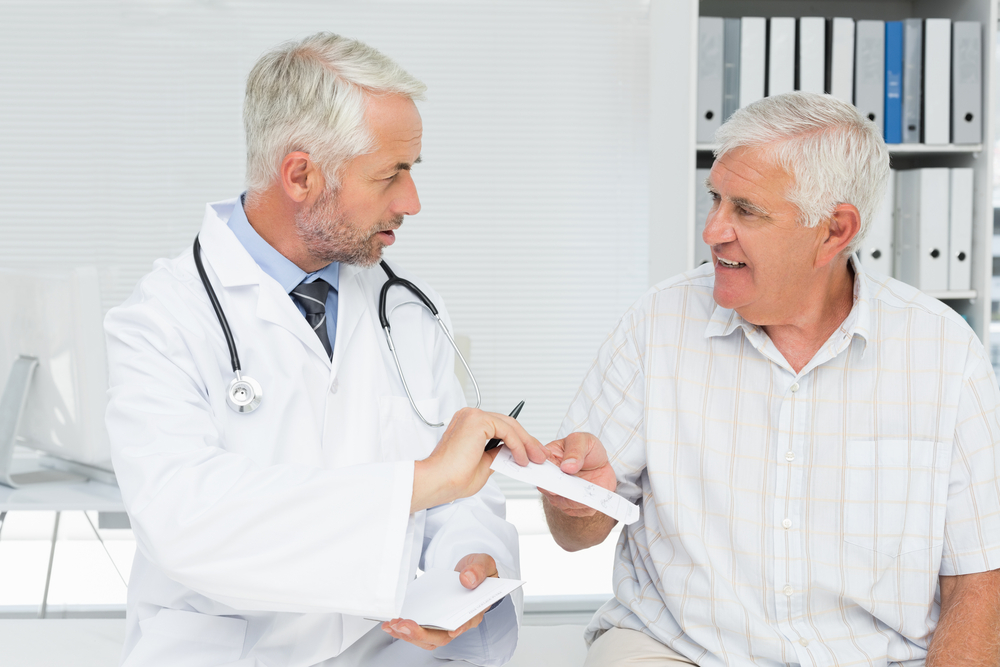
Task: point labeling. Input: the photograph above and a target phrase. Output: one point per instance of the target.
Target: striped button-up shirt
(794, 518)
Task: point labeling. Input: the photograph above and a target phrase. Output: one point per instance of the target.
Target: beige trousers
(619, 647)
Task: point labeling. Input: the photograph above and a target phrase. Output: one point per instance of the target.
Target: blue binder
(893, 82)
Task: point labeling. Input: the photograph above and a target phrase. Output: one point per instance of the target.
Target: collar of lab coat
(234, 267)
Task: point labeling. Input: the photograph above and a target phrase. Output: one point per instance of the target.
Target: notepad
(548, 476)
(438, 600)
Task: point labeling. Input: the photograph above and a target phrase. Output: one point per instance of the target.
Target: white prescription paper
(437, 599)
(548, 476)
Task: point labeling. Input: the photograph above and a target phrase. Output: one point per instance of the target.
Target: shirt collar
(857, 323)
(272, 262)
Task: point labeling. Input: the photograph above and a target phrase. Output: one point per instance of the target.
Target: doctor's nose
(408, 201)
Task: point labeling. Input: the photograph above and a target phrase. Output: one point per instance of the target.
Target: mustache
(390, 225)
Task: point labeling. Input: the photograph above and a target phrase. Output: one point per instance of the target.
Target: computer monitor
(56, 319)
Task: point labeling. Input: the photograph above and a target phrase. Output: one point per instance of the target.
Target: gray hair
(833, 153)
(311, 96)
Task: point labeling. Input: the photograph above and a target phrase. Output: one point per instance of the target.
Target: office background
(120, 119)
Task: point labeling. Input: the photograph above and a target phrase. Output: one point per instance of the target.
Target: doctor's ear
(301, 178)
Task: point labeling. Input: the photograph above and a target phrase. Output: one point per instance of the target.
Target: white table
(89, 642)
(70, 494)
(66, 496)
(56, 642)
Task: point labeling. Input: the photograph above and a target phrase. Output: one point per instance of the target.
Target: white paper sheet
(548, 476)
(437, 599)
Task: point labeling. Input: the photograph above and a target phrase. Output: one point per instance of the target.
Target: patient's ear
(841, 228)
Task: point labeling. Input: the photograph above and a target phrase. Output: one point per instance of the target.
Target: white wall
(119, 120)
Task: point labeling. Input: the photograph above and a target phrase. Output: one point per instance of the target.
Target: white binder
(710, 77)
(730, 68)
(966, 89)
(812, 55)
(922, 232)
(781, 57)
(960, 231)
(937, 81)
(702, 206)
(841, 60)
(877, 250)
(869, 72)
(913, 51)
(753, 52)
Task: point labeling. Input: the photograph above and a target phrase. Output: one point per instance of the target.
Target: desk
(81, 642)
(64, 496)
(71, 494)
(98, 643)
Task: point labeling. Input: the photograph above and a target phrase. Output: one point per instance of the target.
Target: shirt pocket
(895, 495)
(404, 436)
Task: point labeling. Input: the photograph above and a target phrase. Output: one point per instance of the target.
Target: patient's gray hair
(311, 96)
(834, 154)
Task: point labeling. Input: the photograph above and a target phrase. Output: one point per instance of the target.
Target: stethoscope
(244, 392)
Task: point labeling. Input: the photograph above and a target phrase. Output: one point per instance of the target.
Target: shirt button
(334, 386)
(789, 456)
(794, 387)
(804, 641)
(788, 590)
(787, 523)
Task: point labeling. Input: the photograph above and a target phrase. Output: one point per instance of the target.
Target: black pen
(496, 442)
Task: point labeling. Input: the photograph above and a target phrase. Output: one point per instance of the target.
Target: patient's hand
(581, 455)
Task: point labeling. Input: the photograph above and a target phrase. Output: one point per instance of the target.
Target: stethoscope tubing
(383, 319)
(249, 399)
(234, 357)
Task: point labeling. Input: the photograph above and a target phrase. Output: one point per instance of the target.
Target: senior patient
(814, 448)
(272, 536)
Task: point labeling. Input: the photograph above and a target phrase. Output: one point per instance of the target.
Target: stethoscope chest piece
(244, 393)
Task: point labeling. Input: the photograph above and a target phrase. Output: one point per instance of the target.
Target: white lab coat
(266, 538)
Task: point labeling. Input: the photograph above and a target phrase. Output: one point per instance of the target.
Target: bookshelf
(674, 154)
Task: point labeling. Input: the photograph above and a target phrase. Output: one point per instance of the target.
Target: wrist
(430, 488)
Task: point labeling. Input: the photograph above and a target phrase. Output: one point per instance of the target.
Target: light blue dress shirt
(283, 270)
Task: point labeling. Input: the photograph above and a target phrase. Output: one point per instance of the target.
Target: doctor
(268, 537)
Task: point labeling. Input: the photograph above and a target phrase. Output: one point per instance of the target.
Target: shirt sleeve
(972, 516)
(610, 403)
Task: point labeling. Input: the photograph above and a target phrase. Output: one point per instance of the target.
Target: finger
(576, 450)
(428, 638)
(554, 450)
(475, 568)
(468, 625)
(566, 506)
(521, 444)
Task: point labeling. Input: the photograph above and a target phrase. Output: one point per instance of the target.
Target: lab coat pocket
(174, 637)
(404, 436)
(896, 494)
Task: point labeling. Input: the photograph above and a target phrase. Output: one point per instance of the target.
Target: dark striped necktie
(312, 297)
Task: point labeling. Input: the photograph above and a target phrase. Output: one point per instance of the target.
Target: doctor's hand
(474, 568)
(458, 467)
(581, 455)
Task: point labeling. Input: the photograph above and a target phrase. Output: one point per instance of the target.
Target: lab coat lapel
(352, 304)
(235, 268)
